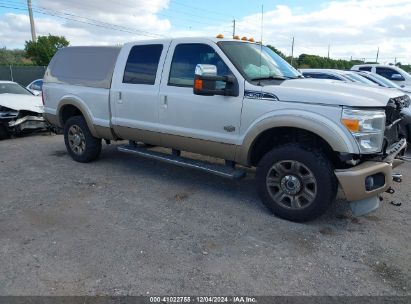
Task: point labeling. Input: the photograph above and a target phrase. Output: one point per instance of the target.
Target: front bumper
(353, 180)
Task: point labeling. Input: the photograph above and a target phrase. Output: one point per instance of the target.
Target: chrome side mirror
(397, 77)
(206, 69)
(206, 78)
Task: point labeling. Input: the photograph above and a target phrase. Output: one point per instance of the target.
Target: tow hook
(390, 190)
(397, 177)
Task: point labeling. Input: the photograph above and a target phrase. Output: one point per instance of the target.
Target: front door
(202, 124)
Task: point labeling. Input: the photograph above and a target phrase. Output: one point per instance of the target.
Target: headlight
(367, 127)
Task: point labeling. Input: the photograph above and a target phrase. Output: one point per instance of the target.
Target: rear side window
(142, 64)
(368, 69)
(185, 59)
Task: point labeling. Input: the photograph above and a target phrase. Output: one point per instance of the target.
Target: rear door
(135, 89)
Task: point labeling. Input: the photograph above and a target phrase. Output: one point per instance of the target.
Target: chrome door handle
(119, 98)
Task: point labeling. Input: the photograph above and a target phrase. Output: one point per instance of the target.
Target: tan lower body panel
(104, 132)
(352, 180)
(52, 119)
(205, 147)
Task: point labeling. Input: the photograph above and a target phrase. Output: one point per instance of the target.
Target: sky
(352, 28)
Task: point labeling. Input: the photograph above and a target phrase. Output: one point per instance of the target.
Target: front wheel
(4, 134)
(295, 182)
(80, 143)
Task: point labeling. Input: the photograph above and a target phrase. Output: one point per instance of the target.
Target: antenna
(233, 28)
(261, 40)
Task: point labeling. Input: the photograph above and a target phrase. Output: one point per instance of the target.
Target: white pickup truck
(234, 100)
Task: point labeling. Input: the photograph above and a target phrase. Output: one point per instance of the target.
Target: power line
(198, 8)
(89, 21)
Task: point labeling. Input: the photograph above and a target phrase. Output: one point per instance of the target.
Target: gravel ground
(129, 225)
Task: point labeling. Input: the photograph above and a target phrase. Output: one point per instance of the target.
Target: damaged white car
(20, 110)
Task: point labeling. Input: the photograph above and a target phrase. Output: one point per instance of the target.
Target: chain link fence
(21, 74)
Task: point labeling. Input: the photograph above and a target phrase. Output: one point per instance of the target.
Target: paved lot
(128, 225)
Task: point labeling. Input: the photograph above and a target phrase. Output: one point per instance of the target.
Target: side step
(221, 170)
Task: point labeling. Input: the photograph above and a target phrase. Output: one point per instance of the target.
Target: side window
(308, 75)
(367, 68)
(387, 73)
(142, 64)
(321, 76)
(328, 76)
(37, 85)
(185, 59)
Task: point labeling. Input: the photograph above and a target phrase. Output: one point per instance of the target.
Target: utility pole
(233, 28)
(328, 51)
(292, 52)
(33, 30)
(378, 52)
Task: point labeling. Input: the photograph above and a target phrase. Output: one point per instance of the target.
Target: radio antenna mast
(261, 40)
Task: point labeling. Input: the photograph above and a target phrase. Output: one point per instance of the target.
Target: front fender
(79, 104)
(333, 133)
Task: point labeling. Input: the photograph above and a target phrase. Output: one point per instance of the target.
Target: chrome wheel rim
(76, 139)
(291, 184)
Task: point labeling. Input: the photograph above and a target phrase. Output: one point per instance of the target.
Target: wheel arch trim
(71, 100)
(338, 139)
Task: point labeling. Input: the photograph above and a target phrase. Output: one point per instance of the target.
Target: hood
(20, 102)
(331, 92)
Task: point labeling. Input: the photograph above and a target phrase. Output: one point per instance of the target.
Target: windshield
(257, 62)
(359, 78)
(387, 83)
(13, 88)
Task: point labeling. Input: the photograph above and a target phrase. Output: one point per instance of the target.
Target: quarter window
(367, 68)
(142, 64)
(185, 59)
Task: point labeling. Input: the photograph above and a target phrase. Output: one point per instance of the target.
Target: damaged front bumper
(362, 183)
(29, 122)
(16, 122)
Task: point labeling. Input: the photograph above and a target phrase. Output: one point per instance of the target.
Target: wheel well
(277, 136)
(67, 112)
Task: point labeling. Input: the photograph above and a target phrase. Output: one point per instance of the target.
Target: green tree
(279, 53)
(13, 57)
(42, 50)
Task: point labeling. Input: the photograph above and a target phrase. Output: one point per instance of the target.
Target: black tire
(310, 163)
(4, 134)
(89, 148)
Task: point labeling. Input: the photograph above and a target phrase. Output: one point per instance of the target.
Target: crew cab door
(134, 91)
(201, 124)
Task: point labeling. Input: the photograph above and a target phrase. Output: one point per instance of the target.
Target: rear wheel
(80, 143)
(295, 182)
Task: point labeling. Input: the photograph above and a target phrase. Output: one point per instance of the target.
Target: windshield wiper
(269, 78)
